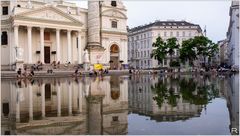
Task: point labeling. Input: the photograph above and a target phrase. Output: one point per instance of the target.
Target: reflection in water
(181, 98)
(105, 105)
(65, 106)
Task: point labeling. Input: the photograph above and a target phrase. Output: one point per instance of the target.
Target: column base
(86, 66)
(19, 64)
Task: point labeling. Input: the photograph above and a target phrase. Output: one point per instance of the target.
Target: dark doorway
(5, 109)
(47, 54)
(48, 91)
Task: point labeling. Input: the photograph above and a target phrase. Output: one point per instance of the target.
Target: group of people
(24, 74)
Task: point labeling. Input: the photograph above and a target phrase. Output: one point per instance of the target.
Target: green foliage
(164, 48)
(198, 46)
(175, 64)
(190, 91)
(161, 50)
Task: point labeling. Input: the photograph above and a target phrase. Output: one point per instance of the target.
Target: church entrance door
(47, 54)
(114, 57)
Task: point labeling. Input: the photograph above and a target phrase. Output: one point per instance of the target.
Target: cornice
(46, 21)
(114, 32)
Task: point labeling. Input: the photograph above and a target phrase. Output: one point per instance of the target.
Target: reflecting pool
(138, 104)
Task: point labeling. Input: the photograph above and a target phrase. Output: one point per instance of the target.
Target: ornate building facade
(48, 31)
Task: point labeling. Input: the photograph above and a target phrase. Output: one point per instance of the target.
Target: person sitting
(76, 72)
(34, 67)
(130, 71)
(58, 64)
(31, 74)
(54, 64)
(19, 73)
(25, 72)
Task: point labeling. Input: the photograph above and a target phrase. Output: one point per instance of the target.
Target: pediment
(114, 13)
(49, 13)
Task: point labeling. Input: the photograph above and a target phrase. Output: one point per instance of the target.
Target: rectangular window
(114, 3)
(165, 34)
(177, 34)
(183, 33)
(47, 36)
(5, 10)
(114, 24)
(171, 34)
(4, 38)
(165, 62)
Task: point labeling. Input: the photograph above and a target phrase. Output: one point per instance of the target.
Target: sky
(214, 14)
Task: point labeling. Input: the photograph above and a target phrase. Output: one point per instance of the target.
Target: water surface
(139, 104)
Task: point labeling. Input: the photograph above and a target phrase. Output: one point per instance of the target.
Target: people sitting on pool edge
(98, 72)
(25, 73)
(76, 73)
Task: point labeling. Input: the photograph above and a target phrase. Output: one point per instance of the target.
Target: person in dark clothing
(19, 72)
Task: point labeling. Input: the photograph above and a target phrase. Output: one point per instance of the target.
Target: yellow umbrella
(98, 66)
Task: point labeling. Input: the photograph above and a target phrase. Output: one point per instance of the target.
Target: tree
(161, 50)
(188, 51)
(172, 45)
(199, 46)
(205, 47)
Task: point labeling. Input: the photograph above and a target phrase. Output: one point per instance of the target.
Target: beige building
(233, 35)
(65, 106)
(48, 31)
(141, 38)
(223, 51)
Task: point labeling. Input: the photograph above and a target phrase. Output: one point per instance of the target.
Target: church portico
(44, 43)
(50, 32)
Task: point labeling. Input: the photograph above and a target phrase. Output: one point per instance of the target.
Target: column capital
(42, 28)
(29, 26)
(69, 30)
(58, 29)
(15, 25)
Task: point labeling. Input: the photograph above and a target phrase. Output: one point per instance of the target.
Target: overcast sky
(214, 14)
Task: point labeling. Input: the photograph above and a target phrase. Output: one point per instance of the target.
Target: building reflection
(229, 86)
(173, 98)
(65, 106)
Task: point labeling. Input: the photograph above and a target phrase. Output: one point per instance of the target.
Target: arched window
(114, 49)
(114, 3)
(4, 38)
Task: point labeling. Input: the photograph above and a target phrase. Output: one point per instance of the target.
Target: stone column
(58, 44)
(16, 35)
(80, 97)
(30, 103)
(43, 100)
(70, 99)
(59, 100)
(18, 106)
(69, 49)
(79, 48)
(29, 31)
(93, 23)
(42, 44)
(95, 115)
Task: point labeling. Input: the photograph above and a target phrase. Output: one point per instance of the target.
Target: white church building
(58, 31)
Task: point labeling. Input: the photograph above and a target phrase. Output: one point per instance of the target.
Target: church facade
(58, 31)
